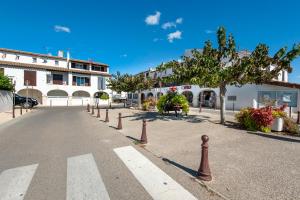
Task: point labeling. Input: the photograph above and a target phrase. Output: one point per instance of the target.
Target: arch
(99, 94)
(208, 98)
(189, 96)
(81, 93)
(150, 94)
(159, 94)
(142, 97)
(34, 93)
(57, 93)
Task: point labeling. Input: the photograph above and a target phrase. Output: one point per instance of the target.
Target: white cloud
(175, 35)
(179, 20)
(59, 28)
(123, 55)
(153, 19)
(168, 25)
(209, 31)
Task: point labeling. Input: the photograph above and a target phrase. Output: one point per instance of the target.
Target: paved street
(65, 153)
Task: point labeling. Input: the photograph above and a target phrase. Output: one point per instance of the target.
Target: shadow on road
(186, 169)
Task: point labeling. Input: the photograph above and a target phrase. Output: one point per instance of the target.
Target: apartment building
(55, 80)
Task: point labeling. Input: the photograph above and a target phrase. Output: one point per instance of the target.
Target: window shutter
(30, 76)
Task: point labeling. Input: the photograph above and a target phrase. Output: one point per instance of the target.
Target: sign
(278, 97)
(186, 87)
(231, 98)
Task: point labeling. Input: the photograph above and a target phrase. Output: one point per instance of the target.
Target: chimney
(60, 53)
(68, 55)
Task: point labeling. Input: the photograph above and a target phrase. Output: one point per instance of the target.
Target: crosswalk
(84, 180)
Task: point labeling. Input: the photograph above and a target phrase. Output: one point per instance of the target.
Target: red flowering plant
(263, 118)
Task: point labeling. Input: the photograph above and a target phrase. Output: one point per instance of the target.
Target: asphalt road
(65, 153)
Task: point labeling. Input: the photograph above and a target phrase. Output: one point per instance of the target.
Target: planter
(277, 124)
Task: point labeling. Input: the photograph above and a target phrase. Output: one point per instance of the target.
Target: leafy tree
(5, 83)
(224, 65)
(130, 83)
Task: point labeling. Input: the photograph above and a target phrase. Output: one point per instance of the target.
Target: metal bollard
(204, 170)
(106, 117)
(98, 112)
(88, 107)
(120, 122)
(144, 139)
(21, 110)
(298, 118)
(93, 112)
(200, 107)
(13, 111)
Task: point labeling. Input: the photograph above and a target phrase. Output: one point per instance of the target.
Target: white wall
(5, 101)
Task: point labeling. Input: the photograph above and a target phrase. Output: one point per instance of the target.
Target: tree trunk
(222, 103)
(139, 100)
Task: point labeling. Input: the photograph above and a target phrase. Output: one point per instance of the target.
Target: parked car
(21, 101)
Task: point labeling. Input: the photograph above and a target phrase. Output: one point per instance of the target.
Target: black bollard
(93, 112)
(119, 127)
(204, 170)
(106, 117)
(98, 112)
(21, 110)
(144, 139)
(88, 107)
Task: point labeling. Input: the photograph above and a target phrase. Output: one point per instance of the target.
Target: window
(56, 62)
(34, 60)
(101, 83)
(45, 61)
(79, 66)
(57, 79)
(81, 81)
(30, 78)
(17, 57)
(4, 55)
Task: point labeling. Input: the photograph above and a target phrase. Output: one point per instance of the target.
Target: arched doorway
(81, 93)
(100, 94)
(57, 93)
(34, 93)
(189, 96)
(208, 98)
(150, 94)
(142, 97)
(80, 97)
(159, 94)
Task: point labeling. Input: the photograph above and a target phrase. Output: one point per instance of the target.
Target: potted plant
(278, 122)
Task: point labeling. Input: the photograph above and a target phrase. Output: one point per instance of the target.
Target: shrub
(150, 102)
(5, 83)
(256, 119)
(104, 96)
(290, 126)
(171, 99)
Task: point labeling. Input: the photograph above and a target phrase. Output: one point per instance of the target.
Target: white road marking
(156, 182)
(15, 182)
(84, 181)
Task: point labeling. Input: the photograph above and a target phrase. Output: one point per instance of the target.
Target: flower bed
(262, 119)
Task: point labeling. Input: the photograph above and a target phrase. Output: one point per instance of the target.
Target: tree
(130, 83)
(224, 65)
(5, 83)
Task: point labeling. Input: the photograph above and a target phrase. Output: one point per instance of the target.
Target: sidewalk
(244, 165)
(7, 116)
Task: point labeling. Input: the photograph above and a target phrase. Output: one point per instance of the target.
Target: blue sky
(118, 33)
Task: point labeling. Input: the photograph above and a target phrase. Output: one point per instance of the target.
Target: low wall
(5, 101)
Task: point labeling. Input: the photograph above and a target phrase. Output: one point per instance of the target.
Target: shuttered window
(101, 83)
(57, 79)
(30, 76)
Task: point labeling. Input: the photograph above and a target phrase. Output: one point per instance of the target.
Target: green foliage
(290, 126)
(278, 114)
(129, 83)
(171, 99)
(148, 103)
(5, 83)
(245, 119)
(104, 96)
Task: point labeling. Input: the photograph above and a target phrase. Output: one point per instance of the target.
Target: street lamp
(14, 102)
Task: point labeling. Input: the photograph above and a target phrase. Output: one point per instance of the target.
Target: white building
(55, 80)
(278, 91)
